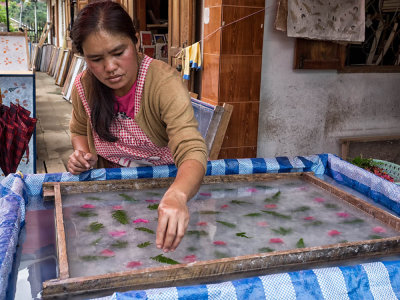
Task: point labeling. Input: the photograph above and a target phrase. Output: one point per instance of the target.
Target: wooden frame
(218, 269)
(26, 54)
(58, 63)
(146, 38)
(69, 75)
(63, 68)
(76, 67)
(216, 125)
(345, 141)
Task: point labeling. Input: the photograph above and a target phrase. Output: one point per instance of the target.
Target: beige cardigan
(165, 115)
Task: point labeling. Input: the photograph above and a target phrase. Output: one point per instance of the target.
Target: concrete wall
(305, 112)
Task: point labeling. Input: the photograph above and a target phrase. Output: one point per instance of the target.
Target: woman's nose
(110, 65)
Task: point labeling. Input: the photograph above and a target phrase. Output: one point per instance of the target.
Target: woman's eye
(95, 59)
(119, 53)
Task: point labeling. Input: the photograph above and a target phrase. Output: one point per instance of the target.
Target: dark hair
(112, 18)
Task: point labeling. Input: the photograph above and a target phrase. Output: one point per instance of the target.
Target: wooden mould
(212, 270)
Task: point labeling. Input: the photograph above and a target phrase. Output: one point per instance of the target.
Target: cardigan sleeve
(79, 119)
(176, 113)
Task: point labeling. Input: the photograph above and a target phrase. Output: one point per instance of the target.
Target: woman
(130, 110)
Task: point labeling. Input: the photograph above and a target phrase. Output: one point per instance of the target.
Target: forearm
(188, 179)
(80, 142)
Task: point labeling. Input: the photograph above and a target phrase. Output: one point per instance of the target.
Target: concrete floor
(53, 145)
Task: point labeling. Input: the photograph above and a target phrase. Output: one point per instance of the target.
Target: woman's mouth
(114, 79)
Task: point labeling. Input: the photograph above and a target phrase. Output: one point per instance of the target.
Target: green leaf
(278, 215)
(314, 223)
(198, 233)
(144, 245)
(362, 162)
(243, 234)
(354, 221)
(301, 209)
(95, 242)
(95, 226)
(219, 254)
(253, 215)
(86, 214)
(239, 202)
(227, 224)
(300, 243)
(121, 216)
(274, 198)
(330, 205)
(375, 237)
(209, 212)
(93, 198)
(265, 249)
(343, 241)
(120, 244)
(92, 257)
(191, 249)
(165, 260)
(282, 230)
(265, 187)
(153, 206)
(145, 229)
(128, 198)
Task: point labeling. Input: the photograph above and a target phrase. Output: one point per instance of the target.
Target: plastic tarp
(372, 279)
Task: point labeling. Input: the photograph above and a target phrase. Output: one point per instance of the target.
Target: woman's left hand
(173, 219)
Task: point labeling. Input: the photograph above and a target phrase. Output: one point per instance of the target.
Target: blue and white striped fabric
(379, 280)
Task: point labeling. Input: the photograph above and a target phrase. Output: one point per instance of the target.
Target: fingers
(172, 224)
(80, 161)
(161, 228)
(180, 232)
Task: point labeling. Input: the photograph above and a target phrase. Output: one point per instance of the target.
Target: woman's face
(112, 59)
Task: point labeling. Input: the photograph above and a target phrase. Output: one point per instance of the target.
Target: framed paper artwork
(240, 224)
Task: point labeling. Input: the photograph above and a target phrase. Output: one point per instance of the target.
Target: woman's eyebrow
(115, 49)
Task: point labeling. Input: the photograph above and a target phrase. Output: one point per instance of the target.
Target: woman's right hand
(80, 161)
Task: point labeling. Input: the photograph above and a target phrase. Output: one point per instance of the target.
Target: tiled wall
(232, 56)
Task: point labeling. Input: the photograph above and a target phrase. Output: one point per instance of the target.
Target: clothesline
(192, 58)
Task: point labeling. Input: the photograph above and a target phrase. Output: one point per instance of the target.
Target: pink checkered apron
(133, 147)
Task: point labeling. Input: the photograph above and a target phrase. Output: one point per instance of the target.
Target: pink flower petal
(276, 240)
(252, 190)
(201, 223)
(205, 194)
(107, 252)
(117, 233)
(225, 206)
(270, 205)
(190, 258)
(88, 206)
(379, 229)
(334, 232)
(309, 218)
(219, 243)
(140, 221)
(262, 224)
(133, 264)
(342, 214)
(117, 207)
(303, 188)
(319, 200)
(152, 200)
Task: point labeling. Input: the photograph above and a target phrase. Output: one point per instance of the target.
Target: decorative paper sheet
(327, 20)
(13, 52)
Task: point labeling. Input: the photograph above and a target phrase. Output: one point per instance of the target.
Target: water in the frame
(115, 231)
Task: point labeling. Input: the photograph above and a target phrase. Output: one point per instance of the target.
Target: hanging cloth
(195, 56)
